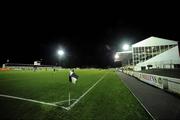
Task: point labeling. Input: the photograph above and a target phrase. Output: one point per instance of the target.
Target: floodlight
(125, 47)
(116, 56)
(60, 52)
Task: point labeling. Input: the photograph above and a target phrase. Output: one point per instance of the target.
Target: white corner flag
(73, 77)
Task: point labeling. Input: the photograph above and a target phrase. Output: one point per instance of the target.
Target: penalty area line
(31, 100)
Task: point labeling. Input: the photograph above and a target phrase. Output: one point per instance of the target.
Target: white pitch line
(64, 101)
(136, 98)
(31, 100)
(72, 105)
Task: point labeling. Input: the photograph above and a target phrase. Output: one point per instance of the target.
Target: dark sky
(89, 37)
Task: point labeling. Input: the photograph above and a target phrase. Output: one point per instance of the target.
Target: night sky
(89, 37)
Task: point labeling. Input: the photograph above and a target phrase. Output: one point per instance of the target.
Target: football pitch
(44, 95)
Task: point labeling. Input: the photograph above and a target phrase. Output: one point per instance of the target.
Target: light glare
(126, 47)
(116, 56)
(60, 52)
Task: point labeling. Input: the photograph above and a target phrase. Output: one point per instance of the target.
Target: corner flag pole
(69, 96)
(72, 79)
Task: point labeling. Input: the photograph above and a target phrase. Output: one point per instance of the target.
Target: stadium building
(155, 52)
(124, 57)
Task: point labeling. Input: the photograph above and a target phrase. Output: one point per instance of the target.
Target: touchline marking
(31, 100)
(72, 105)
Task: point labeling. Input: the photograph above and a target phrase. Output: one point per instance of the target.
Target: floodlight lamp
(60, 52)
(116, 56)
(125, 47)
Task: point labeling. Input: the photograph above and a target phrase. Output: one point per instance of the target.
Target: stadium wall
(20, 66)
(166, 83)
(32, 68)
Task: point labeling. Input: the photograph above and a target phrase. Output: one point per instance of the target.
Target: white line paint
(72, 105)
(55, 103)
(137, 98)
(66, 108)
(31, 100)
(64, 101)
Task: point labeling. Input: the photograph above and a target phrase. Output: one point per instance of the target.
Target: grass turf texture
(108, 100)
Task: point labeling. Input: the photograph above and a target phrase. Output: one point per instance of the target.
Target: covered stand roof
(154, 41)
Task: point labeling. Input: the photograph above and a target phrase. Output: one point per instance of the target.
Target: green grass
(108, 100)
